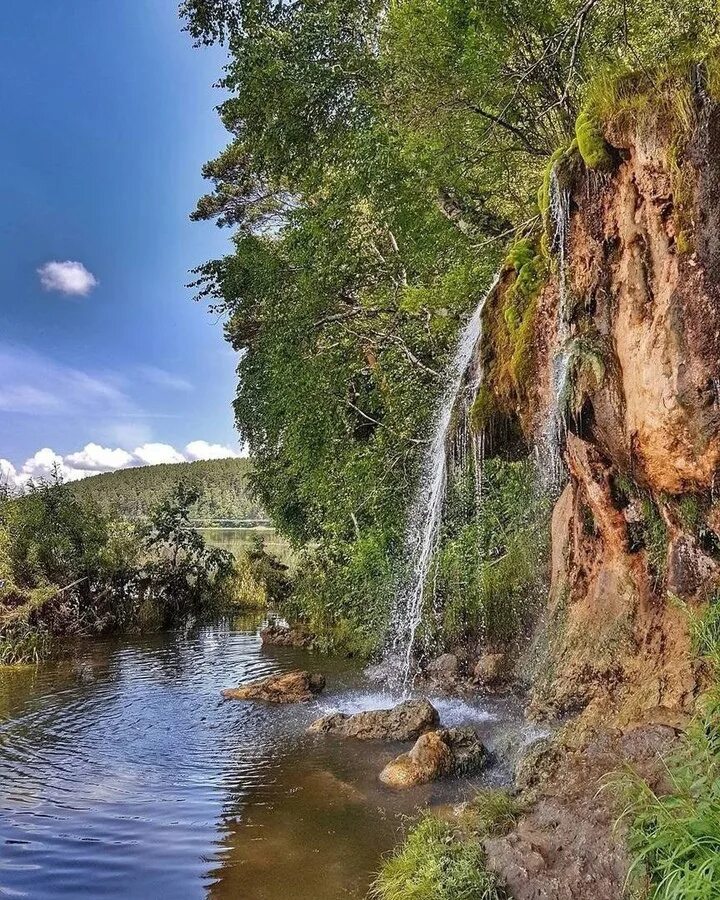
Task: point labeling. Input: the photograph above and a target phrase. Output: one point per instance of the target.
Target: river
(124, 774)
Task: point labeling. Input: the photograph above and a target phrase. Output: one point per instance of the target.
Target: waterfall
(552, 437)
(426, 512)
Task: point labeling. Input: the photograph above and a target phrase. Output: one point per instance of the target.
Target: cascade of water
(549, 449)
(425, 516)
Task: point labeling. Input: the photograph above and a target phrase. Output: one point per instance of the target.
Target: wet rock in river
(491, 668)
(289, 687)
(445, 669)
(437, 754)
(286, 636)
(404, 722)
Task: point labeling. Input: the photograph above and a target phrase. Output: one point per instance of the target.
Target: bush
(435, 863)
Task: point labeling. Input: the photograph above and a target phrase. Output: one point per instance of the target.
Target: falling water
(551, 441)
(462, 383)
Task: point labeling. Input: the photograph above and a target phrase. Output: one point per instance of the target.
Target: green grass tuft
(435, 863)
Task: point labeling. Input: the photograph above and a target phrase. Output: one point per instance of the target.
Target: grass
(491, 812)
(436, 863)
(675, 838)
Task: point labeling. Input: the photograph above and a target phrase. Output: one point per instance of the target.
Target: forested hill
(132, 492)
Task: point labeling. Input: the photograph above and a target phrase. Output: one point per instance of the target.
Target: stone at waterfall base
(491, 668)
(279, 635)
(404, 722)
(437, 754)
(289, 687)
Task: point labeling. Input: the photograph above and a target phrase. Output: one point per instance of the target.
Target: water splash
(463, 381)
(550, 445)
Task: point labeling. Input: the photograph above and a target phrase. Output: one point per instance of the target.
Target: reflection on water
(123, 774)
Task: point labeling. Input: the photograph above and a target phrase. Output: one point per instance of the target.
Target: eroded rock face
(646, 441)
(290, 687)
(286, 636)
(404, 722)
(436, 754)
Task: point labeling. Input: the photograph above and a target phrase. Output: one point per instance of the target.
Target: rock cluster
(289, 687)
(437, 754)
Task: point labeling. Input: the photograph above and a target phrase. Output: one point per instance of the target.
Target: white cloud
(94, 458)
(204, 450)
(70, 278)
(43, 463)
(153, 454)
(99, 459)
(8, 473)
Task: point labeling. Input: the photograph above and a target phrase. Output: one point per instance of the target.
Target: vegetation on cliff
(386, 159)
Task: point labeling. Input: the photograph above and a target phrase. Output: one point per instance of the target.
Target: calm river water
(124, 774)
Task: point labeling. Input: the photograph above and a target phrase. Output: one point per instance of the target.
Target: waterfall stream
(552, 436)
(426, 512)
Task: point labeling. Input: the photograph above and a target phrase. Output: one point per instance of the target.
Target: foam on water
(453, 710)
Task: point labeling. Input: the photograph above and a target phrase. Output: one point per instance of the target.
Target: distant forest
(131, 493)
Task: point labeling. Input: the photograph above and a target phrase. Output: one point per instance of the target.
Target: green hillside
(132, 492)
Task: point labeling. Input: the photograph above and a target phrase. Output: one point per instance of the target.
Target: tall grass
(674, 837)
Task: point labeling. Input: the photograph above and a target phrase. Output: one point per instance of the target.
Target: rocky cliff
(604, 350)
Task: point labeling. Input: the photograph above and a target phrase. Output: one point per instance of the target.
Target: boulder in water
(286, 636)
(437, 754)
(444, 670)
(404, 722)
(289, 687)
(491, 668)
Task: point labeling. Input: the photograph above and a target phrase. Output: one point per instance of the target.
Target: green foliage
(434, 864)
(591, 142)
(482, 409)
(379, 154)
(269, 572)
(66, 568)
(131, 493)
(586, 371)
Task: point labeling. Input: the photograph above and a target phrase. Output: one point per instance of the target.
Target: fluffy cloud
(99, 459)
(70, 278)
(152, 454)
(204, 450)
(94, 458)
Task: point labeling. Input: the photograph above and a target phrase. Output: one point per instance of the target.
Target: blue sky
(108, 114)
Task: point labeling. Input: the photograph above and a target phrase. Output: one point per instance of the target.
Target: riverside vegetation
(67, 567)
(386, 160)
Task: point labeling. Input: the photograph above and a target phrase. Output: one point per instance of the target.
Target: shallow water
(123, 774)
